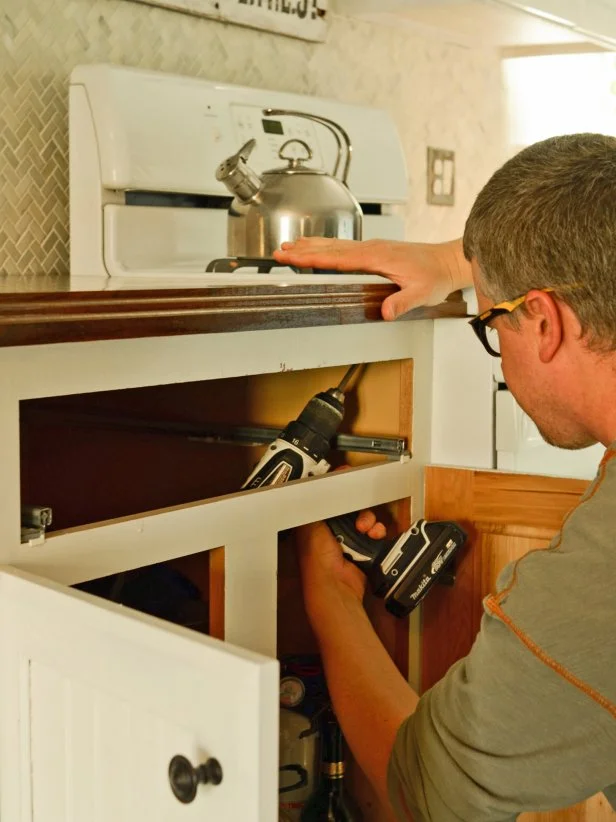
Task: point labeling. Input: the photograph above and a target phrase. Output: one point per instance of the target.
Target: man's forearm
(371, 698)
(459, 267)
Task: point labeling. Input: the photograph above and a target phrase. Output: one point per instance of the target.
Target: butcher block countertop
(40, 309)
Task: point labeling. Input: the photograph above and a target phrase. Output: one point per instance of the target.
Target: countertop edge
(45, 317)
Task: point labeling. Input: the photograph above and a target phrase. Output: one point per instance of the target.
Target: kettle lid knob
(294, 161)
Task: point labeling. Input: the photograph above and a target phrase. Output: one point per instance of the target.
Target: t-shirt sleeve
(496, 736)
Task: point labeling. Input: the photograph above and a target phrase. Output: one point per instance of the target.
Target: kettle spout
(236, 174)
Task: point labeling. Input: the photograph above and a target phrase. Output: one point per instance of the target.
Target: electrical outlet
(441, 176)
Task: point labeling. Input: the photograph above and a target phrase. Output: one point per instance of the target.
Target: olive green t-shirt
(527, 721)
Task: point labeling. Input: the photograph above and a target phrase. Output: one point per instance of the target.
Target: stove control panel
(272, 132)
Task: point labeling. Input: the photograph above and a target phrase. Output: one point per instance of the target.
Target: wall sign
(305, 19)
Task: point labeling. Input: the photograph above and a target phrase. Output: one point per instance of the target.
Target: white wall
(560, 94)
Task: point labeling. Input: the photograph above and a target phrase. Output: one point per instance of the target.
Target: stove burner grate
(264, 265)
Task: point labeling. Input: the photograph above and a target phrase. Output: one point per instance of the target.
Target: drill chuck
(300, 449)
(321, 418)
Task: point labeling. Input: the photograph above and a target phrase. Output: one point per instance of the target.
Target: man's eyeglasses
(487, 335)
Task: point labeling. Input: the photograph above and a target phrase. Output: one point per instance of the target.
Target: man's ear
(543, 313)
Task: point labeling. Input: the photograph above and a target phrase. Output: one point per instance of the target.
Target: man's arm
(371, 698)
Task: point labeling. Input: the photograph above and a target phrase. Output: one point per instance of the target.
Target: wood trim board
(55, 317)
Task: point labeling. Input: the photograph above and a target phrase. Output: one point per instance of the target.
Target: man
(528, 720)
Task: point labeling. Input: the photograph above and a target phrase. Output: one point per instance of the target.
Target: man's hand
(425, 272)
(325, 571)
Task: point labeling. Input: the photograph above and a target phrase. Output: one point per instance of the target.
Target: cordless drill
(400, 570)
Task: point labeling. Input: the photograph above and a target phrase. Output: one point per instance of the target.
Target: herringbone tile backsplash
(442, 95)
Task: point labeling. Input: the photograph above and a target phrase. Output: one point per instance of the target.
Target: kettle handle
(335, 129)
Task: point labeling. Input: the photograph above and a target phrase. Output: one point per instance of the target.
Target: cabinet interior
(89, 458)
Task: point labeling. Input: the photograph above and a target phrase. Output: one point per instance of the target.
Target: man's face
(544, 390)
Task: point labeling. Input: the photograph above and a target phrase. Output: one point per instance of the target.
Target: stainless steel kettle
(290, 202)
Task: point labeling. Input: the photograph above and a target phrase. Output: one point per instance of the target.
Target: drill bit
(347, 377)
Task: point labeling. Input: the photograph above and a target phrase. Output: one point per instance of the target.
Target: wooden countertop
(41, 309)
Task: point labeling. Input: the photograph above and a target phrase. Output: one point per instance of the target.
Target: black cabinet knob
(184, 779)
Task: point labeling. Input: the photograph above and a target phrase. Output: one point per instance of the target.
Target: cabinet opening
(187, 591)
(302, 676)
(94, 457)
(293, 631)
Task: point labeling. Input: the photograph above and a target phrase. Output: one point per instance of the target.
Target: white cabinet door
(96, 699)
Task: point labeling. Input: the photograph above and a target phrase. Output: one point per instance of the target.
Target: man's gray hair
(547, 218)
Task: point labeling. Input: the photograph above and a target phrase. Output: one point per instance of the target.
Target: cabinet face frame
(77, 368)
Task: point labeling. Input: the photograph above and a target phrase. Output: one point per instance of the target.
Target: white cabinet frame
(246, 524)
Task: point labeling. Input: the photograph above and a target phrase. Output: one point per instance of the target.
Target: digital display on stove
(272, 127)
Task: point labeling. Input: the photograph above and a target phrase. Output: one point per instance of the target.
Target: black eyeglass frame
(479, 323)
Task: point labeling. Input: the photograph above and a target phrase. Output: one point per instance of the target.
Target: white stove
(146, 210)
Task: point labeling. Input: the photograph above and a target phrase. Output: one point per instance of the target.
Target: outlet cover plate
(441, 176)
